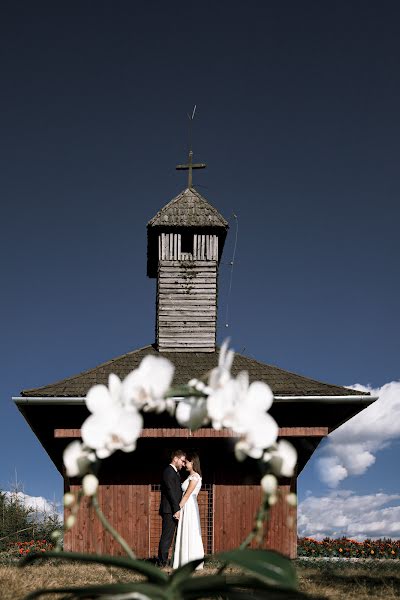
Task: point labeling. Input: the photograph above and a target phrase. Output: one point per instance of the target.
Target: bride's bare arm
(189, 491)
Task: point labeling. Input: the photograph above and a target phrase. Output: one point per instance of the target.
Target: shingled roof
(188, 209)
(188, 365)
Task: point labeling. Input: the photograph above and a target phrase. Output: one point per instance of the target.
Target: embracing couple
(179, 511)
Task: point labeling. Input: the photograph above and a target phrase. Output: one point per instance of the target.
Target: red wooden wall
(126, 507)
(235, 508)
(226, 513)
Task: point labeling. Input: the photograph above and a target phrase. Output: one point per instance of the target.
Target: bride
(188, 542)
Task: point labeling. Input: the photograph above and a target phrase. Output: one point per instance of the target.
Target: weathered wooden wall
(186, 305)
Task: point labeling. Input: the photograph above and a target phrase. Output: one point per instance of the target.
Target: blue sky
(297, 119)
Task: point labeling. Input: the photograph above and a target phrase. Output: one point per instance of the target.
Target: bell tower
(184, 246)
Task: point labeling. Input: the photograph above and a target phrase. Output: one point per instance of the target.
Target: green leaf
(236, 587)
(267, 565)
(260, 589)
(92, 591)
(200, 587)
(220, 585)
(183, 573)
(150, 571)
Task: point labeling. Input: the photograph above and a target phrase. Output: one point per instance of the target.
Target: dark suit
(171, 494)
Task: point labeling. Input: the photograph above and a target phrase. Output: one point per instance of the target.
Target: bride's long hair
(193, 457)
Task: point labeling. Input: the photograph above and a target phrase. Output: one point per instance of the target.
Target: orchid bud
(241, 449)
(90, 483)
(291, 521)
(70, 521)
(273, 499)
(269, 484)
(68, 500)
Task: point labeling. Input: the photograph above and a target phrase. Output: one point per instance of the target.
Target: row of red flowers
(22, 548)
(343, 547)
(348, 548)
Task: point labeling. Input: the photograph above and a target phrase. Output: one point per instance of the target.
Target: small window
(187, 242)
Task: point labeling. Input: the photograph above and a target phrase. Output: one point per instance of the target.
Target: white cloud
(38, 504)
(351, 449)
(343, 513)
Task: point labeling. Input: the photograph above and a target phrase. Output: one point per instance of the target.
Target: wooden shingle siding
(186, 306)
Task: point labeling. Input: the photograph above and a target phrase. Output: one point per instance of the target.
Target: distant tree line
(19, 523)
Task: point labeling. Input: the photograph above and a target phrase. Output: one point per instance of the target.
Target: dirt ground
(333, 582)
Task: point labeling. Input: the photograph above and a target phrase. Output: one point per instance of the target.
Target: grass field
(378, 580)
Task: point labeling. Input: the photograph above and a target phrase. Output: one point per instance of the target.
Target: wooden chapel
(185, 244)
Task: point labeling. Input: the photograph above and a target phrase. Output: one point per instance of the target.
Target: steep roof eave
(156, 221)
(283, 383)
(70, 400)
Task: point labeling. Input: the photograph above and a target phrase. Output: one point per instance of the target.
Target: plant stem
(111, 529)
(260, 518)
(184, 391)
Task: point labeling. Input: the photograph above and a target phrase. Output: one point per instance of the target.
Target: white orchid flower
(221, 404)
(222, 373)
(261, 433)
(243, 408)
(251, 402)
(259, 430)
(192, 413)
(282, 458)
(145, 387)
(111, 426)
(77, 459)
(100, 397)
(200, 386)
(219, 377)
(112, 429)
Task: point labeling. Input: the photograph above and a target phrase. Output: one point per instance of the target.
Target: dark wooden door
(206, 518)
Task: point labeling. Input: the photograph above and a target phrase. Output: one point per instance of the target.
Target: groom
(171, 494)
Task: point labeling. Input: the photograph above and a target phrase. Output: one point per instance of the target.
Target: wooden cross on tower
(189, 167)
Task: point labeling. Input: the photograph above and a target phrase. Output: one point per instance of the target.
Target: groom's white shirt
(174, 467)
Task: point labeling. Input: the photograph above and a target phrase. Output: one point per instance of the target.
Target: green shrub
(19, 523)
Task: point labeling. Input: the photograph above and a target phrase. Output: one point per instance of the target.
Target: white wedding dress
(188, 542)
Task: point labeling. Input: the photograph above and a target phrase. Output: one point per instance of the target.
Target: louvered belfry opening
(185, 242)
